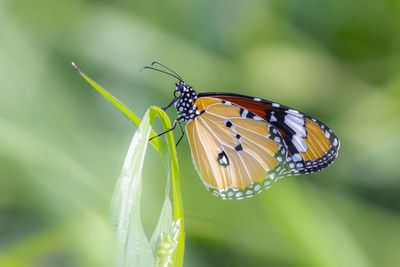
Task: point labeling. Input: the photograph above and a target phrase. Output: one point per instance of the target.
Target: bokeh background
(62, 145)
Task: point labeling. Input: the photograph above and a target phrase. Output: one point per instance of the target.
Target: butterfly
(241, 145)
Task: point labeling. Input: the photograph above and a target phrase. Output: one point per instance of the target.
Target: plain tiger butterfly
(241, 145)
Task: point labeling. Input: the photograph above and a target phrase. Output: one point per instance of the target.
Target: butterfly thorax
(184, 104)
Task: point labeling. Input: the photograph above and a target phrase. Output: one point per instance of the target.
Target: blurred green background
(62, 145)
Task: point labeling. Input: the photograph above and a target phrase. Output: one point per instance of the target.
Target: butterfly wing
(311, 145)
(235, 156)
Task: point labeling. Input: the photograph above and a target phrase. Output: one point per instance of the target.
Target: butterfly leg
(170, 104)
(182, 132)
(173, 127)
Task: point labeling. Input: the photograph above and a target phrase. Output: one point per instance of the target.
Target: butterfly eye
(177, 93)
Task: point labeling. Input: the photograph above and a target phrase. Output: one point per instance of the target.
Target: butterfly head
(182, 89)
(185, 95)
(181, 86)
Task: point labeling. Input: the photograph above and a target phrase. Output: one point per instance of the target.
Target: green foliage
(167, 242)
(61, 146)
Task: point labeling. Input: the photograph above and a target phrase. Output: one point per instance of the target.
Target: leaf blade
(125, 207)
(157, 143)
(176, 189)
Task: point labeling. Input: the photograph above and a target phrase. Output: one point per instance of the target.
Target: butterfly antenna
(156, 62)
(151, 68)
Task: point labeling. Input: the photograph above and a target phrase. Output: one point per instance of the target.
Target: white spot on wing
(335, 142)
(275, 105)
(296, 124)
(273, 118)
(292, 111)
(223, 161)
(299, 143)
(327, 134)
(297, 157)
(257, 118)
(272, 176)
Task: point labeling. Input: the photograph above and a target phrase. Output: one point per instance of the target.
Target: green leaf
(136, 250)
(125, 205)
(176, 187)
(158, 144)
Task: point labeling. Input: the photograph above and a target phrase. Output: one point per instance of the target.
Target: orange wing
(236, 157)
(311, 145)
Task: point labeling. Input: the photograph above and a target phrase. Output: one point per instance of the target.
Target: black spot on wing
(239, 147)
(223, 159)
(228, 124)
(250, 115)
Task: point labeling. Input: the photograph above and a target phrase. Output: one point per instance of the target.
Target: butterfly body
(185, 96)
(241, 145)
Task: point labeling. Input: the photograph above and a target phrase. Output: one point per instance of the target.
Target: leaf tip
(75, 66)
